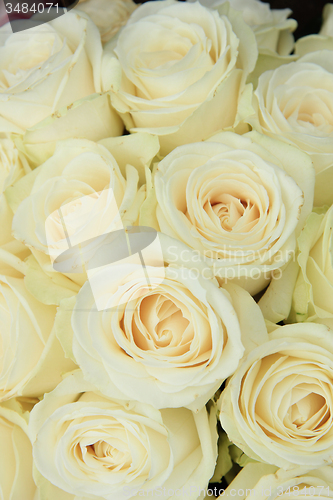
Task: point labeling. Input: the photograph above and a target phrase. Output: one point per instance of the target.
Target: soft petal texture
(271, 27)
(278, 406)
(313, 292)
(83, 188)
(48, 67)
(238, 201)
(31, 357)
(92, 446)
(16, 481)
(48, 287)
(295, 104)
(178, 65)
(108, 15)
(11, 166)
(12, 252)
(263, 481)
(170, 344)
(267, 61)
(87, 118)
(275, 304)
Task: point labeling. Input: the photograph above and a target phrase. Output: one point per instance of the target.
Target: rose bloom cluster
(166, 253)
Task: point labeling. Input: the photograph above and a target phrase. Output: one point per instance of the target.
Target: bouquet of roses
(166, 252)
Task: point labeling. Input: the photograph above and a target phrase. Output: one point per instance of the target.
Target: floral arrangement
(166, 253)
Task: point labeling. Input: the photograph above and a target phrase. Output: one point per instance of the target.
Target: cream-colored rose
(31, 357)
(263, 482)
(94, 447)
(278, 406)
(305, 290)
(180, 71)
(47, 68)
(12, 252)
(327, 26)
(78, 192)
(238, 201)
(108, 15)
(88, 118)
(6, 216)
(16, 481)
(169, 344)
(272, 28)
(313, 293)
(11, 167)
(295, 104)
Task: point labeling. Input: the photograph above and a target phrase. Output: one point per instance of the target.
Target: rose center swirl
(160, 323)
(224, 205)
(289, 402)
(109, 455)
(234, 214)
(167, 326)
(103, 448)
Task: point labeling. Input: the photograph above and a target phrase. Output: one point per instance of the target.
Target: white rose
(237, 200)
(108, 15)
(48, 67)
(262, 482)
(108, 345)
(313, 293)
(48, 201)
(179, 65)
(272, 29)
(278, 405)
(6, 216)
(170, 344)
(12, 252)
(295, 103)
(11, 167)
(88, 118)
(32, 360)
(16, 479)
(94, 447)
